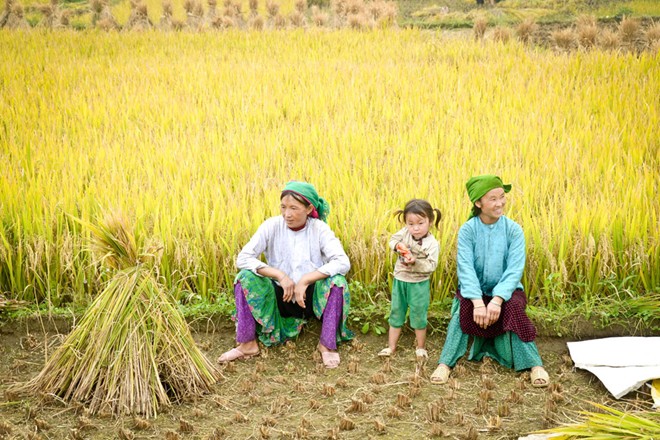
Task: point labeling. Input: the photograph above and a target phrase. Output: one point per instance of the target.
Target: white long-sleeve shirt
(296, 253)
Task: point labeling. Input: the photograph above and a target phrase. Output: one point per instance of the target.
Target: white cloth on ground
(622, 364)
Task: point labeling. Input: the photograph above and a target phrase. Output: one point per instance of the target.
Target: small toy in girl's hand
(405, 253)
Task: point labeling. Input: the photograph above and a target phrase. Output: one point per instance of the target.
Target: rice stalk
(202, 210)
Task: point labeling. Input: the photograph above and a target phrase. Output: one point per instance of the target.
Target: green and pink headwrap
(308, 192)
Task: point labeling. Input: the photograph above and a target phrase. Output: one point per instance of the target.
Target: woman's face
(491, 205)
(294, 213)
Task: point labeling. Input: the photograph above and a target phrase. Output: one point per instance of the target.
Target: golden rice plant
(200, 155)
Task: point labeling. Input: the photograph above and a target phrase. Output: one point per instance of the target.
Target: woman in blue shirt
(490, 303)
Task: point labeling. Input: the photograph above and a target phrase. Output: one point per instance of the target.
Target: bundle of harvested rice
(132, 352)
(610, 423)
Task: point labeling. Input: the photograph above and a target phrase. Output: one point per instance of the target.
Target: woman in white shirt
(302, 278)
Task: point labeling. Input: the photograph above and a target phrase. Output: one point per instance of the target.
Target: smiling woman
(302, 278)
(490, 303)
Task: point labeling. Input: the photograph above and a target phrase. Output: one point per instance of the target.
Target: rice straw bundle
(610, 423)
(132, 351)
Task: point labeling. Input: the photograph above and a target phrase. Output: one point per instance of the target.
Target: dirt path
(286, 393)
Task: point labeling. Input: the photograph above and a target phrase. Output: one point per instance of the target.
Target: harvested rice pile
(132, 352)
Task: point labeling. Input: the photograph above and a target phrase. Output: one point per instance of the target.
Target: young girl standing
(418, 257)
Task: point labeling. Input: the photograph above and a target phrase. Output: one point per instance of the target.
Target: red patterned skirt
(512, 318)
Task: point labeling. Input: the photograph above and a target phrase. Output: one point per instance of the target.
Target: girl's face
(491, 205)
(417, 225)
(294, 213)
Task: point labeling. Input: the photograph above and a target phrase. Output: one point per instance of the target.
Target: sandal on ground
(539, 378)
(330, 359)
(421, 353)
(441, 375)
(386, 352)
(235, 354)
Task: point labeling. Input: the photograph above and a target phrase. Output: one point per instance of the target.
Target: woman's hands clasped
(485, 316)
(292, 291)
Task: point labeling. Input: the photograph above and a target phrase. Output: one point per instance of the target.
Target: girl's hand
(288, 287)
(301, 293)
(409, 259)
(405, 253)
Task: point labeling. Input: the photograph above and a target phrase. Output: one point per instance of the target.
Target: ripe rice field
(194, 135)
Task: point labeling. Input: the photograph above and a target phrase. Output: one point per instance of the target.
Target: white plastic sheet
(622, 364)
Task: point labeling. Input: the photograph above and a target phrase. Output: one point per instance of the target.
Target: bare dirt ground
(286, 393)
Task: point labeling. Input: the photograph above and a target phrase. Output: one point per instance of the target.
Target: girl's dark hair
(476, 211)
(420, 207)
(296, 196)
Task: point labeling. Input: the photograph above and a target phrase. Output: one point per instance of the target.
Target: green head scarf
(478, 186)
(307, 190)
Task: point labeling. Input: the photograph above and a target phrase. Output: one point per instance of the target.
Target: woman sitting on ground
(302, 278)
(490, 303)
